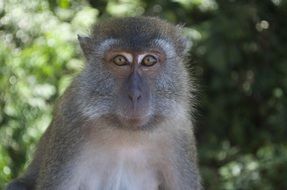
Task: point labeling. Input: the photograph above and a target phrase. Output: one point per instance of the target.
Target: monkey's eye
(149, 60)
(120, 60)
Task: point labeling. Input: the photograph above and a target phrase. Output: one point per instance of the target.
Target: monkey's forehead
(135, 29)
(156, 44)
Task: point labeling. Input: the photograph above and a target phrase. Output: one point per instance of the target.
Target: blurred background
(238, 57)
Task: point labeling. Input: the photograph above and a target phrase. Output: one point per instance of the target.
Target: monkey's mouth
(134, 121)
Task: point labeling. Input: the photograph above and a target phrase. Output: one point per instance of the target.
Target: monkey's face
(137, 71)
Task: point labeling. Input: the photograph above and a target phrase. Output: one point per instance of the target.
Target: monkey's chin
(134, 122)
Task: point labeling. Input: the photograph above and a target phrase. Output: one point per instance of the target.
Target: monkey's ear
(184, 41)
(86, 44)
(186, 44)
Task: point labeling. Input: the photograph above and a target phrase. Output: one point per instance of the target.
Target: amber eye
(120, 60)
(149, 60)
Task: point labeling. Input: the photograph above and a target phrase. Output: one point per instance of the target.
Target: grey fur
(84, 120)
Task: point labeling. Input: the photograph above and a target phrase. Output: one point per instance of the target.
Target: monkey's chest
(125, 169)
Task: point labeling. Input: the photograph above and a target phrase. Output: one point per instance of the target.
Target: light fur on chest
(117, 164)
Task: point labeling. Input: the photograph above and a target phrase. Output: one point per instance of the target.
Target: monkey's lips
(134, 121)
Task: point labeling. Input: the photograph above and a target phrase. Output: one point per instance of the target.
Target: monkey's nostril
(134, 97)
(130, 97)
(139, 97)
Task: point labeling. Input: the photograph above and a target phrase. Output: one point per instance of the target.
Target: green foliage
(238, 55)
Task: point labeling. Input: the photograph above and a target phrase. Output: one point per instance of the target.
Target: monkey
(125, 121)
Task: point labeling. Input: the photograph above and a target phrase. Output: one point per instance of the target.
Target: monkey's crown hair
(140, 29)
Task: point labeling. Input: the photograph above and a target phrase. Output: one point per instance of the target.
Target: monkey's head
(134, 72)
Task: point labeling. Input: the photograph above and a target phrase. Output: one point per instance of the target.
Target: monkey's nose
(134, 96)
